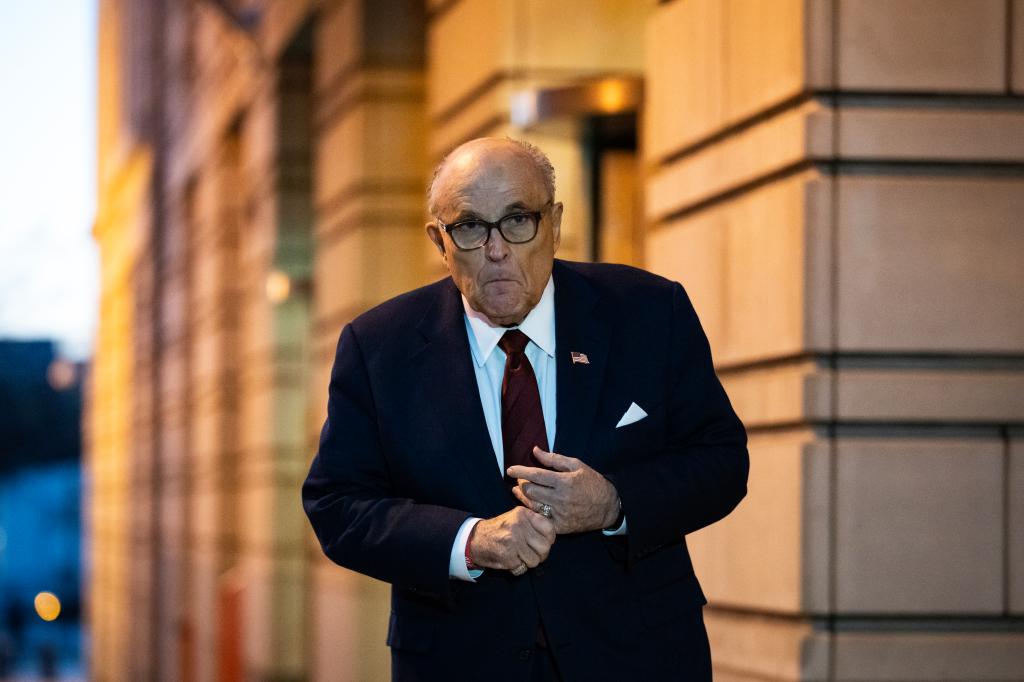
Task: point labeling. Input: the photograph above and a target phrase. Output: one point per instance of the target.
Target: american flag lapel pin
(579, 358)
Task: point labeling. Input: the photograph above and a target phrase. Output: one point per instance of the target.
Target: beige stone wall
(843, 205)
(841, 202)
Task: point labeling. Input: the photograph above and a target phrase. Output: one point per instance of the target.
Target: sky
(48, 261)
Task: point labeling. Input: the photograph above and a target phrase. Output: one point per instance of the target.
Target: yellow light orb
(279, 286)
(611, 96)
(47, 605)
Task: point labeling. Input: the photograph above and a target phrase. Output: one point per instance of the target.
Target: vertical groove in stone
(1010, 10)
(1004, 433)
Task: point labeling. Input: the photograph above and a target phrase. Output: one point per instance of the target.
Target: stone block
(919, 526)
(755, 558)
(684, 86)
(606, 36)
(347, 269)
(936, 656)
(376, 143)
(777, 395)
(451, 76)
(339, 42)
(764, 51)
(793, 136)
(819, 43)
(713, 64)
(1016, 64)
(930, 264)
(917, 134)
(1015, 523)
(750, 646)
(743, 262)
(922, 45)
(943, 396)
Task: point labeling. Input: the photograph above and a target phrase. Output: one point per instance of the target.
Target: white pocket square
(634, 414)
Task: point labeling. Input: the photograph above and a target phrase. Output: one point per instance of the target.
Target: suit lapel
(579, 328)
(445, 366)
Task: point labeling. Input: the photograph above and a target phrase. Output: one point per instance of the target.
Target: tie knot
(513, 342)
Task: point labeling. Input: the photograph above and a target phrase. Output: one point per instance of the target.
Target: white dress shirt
(489, 367)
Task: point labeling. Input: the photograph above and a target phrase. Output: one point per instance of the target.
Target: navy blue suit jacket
(405, 458)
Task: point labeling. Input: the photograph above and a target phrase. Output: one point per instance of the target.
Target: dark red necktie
(522, 418)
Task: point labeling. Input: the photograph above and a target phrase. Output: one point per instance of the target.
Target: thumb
(556, 461)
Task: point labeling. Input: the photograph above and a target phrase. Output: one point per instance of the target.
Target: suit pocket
(409, 633)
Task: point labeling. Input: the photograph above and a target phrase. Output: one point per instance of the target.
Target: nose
(496, 248)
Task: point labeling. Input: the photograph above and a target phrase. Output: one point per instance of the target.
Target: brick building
(838, 183)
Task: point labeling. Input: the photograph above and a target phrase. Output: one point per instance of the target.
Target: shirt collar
(539, 325)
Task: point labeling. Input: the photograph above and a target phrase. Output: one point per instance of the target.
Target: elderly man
(521, 449)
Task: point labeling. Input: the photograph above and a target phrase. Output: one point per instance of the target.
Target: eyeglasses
(515, 228)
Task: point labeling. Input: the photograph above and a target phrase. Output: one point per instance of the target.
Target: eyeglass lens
(515, 229)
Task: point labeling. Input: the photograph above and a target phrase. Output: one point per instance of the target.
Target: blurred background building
(40, 528)
(839, 184)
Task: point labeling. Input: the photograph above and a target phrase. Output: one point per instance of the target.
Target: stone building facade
(839, 184)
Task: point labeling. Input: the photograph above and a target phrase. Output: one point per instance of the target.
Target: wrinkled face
(490, 179)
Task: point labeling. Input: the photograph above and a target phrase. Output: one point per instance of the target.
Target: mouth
(502, 282)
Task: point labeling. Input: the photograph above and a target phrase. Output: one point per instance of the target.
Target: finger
(540, 545)
(541, 476)
(529, 556)
(543, 525)
(540, 494)
(556, 461)
(527, 502)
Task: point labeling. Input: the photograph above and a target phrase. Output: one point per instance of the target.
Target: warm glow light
(47, 605)
(61, 374)
(278, 286)
(611, 96)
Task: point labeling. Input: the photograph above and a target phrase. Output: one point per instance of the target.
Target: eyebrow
(508, 210)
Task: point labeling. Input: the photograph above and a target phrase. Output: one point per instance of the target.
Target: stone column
(369, 179)
(839, 186)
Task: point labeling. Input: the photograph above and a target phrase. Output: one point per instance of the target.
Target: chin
(504, 313)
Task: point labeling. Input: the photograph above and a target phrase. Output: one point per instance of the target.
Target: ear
(435, 236)
(556, 224)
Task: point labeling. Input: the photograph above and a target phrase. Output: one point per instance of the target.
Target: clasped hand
(580, 499)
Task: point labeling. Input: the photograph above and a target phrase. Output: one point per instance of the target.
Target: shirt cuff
(621, 530)
(457, 562)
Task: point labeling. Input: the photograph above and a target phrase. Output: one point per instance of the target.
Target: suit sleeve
(348, 495)
(702, 475)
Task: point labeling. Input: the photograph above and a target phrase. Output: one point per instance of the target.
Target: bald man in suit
(521, 448)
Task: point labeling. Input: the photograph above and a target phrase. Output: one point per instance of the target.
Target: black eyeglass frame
(535, 215)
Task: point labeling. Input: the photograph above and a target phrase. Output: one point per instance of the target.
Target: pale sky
(48, 261)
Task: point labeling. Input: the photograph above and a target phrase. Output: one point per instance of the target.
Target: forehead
(487, 182)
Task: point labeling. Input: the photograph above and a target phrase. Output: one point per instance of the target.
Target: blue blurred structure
(40, 491)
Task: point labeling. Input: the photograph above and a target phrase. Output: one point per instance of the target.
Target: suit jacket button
(524, 654)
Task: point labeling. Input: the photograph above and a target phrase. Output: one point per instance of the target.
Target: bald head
(483, 184)
(468, 153)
